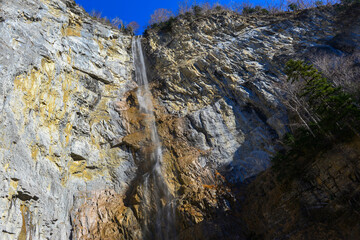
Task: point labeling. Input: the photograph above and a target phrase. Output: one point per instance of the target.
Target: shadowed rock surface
(322, 204)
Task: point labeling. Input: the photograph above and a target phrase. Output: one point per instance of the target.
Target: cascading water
(157, 201)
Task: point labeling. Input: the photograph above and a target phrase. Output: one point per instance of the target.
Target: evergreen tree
(337, 114)
(335, 108)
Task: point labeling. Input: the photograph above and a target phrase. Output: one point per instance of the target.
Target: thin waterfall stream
(157, 202)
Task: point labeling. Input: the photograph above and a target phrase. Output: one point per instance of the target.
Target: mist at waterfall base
(157, 203)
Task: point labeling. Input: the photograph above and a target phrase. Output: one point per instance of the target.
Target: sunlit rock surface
(222, 72)
(62, 76)
(73, 143)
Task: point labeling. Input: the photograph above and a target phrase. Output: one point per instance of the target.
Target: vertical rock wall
(72, 138)
(222, 73)
(217, 77)
(63, 76)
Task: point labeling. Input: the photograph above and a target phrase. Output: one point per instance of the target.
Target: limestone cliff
(219, 76)
(63, 79)
(222, 74)
(74, 144)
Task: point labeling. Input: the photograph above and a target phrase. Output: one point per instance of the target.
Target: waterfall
(157, 202)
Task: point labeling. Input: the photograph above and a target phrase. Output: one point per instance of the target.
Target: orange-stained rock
(104, 216)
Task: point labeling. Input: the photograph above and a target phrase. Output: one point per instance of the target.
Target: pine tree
(335, 108)
(336, 118)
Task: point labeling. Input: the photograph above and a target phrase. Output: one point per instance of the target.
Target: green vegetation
(197, 10)
(164, 26)
(319, 3)
(293, 7)
(335, 117)
(251, 10)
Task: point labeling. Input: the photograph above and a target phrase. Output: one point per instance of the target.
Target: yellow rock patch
(79, 169)
(22, 235)
(6, 167)
(73, 28)
(13, 187)
(34, 152)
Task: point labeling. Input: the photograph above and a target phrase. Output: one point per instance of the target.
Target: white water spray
(157, 202)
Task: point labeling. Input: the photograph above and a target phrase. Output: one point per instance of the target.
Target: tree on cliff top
(160, 15)
(134, 27)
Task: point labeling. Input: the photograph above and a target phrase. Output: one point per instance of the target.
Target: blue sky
(134, 10)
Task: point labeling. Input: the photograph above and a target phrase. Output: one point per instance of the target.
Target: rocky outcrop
(63, 77)
(73, 143)
(103, 215)
(218, 77)
(222, 73)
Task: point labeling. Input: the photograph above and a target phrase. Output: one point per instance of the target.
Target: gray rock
(54, 69)
(225, 77)
(79, 150)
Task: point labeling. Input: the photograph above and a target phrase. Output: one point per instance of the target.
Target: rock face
(218, 81)
(222, 74)
(73, 143)
(63, 79)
